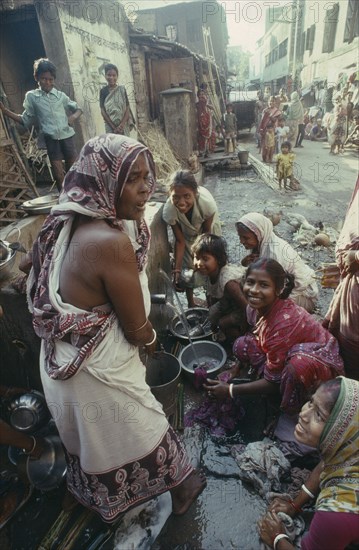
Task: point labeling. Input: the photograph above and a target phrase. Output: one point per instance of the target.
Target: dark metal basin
(199, 326)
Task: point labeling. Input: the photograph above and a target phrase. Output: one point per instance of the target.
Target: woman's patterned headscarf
(339, 447)
(91, 188)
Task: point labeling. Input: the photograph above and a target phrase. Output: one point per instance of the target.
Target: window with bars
(171, 32)
(309, 44)
(283, 48)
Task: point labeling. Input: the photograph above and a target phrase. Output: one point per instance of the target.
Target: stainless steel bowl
(28, 412)
(40, 205)
(209, 354)
(199, 326)
(48, 471)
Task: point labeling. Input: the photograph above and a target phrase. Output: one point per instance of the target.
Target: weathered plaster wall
(81, 37)
(138, 60)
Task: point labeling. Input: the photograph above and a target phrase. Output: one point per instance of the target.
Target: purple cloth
(221, 417)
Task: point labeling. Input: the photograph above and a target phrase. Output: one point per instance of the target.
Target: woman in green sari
(115, 108)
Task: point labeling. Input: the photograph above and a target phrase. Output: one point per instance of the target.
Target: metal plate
(48, 471)
(40, 205)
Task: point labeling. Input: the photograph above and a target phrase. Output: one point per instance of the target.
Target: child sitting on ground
(284, 168)
(225, 298)
(269, 143)
(230, 129)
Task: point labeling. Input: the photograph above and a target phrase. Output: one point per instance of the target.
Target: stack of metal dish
(40, 205)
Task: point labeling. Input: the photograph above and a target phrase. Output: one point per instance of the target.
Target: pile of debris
(164, 158)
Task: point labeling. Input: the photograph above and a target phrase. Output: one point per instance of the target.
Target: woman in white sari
(88, 294)
(114, 105)
(256, 233)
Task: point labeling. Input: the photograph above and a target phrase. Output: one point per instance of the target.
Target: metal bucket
(162, 375)
(243, 157)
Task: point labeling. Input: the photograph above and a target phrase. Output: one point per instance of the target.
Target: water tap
(158, 299)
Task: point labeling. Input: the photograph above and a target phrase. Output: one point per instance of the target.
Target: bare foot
(186, 493)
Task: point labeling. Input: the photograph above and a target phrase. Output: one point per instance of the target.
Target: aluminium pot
(162, 375)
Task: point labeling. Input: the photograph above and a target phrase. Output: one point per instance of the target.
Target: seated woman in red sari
(291, 352)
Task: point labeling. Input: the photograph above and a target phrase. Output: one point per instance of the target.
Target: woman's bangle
(306, 490)
(153, 339)
(32, 448)
(230, 389)
(140, 328)
(296, 508)
(278, 538)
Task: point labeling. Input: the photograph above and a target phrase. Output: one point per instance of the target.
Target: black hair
(183, 178)
(207, 243)
(43, 65)
(286, 144)
(110, 67)
(283, 281)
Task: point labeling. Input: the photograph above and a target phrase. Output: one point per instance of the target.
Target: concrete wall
(277, 33)
(327, 66)
(189, 19)
(138, 61)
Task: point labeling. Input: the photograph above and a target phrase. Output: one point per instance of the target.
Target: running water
(181, 314)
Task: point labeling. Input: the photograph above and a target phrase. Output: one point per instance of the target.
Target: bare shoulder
(98, 240)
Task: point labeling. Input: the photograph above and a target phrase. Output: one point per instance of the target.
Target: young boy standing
(281, 134)
(230, 129)
(49, 108)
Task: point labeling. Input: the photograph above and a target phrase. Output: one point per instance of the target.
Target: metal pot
(199, 326)
(8, 252)
(28, 412)
(162, 375)
(210, 354)
(48, 471)
(7, 264)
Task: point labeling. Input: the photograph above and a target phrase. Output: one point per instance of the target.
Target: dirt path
(326, 186)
